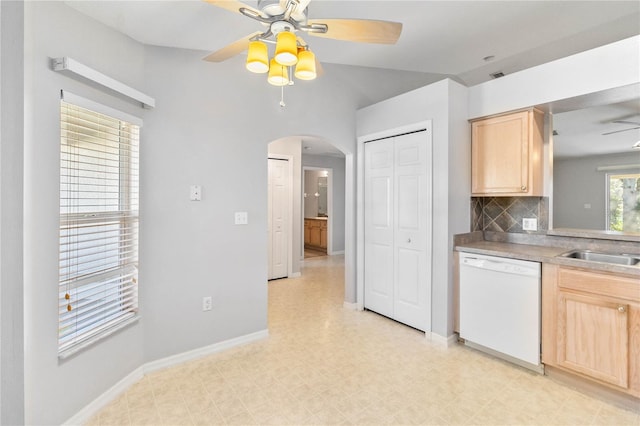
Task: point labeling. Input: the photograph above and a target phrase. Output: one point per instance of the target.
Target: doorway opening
(313, 153)
(317, 198)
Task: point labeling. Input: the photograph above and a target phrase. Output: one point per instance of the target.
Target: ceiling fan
(283, 20)
(634, 123)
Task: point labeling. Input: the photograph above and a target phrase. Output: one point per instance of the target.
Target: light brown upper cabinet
(507, 154)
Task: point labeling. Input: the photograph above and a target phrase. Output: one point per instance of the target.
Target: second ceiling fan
(282, 21)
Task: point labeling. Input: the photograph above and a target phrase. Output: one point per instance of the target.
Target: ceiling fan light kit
(258, 57)
(286, 49)
(283, 19)
(306, 67)
(278, 75)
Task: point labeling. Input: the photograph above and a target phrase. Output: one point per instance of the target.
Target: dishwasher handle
(509, 267)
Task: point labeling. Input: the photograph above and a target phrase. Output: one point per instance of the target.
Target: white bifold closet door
(397, 228)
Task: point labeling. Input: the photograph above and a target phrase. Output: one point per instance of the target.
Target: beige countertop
(544, 254)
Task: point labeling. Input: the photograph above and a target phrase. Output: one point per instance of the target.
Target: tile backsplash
(505, 214)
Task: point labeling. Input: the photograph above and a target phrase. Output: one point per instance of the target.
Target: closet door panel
(397, 230)
(411, 233)
(379, 227)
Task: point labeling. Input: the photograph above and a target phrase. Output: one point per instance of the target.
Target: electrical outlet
(530, 224)
(207, 303)
(195, 193)
(241, 218)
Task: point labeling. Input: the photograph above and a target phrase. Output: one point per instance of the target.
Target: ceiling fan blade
(618, 131)
(359, 30)
(233, 5)
(232, 49)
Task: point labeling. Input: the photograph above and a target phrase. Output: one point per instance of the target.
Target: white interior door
(378, 227)
(278, 218)
(412, 236)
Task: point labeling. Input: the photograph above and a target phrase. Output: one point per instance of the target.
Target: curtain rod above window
(74, 67)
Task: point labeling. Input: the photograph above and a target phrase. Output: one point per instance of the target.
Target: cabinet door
(323, 235)
(314, 234)
(500, 154)
(307, 232)
(592, 337)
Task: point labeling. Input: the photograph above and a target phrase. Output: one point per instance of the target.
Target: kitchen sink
(592, 256)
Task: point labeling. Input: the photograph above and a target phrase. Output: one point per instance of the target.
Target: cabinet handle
(524, 188)
(408, 240)
(622, 309)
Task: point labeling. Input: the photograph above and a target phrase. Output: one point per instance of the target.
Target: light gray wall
(337, 213)
(445, 103)
(576, 182)
(215, 128)
(211, 127)
(54, 389)
(11, 211)
(607, 67)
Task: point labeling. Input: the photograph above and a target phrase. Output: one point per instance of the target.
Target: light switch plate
(530, 224)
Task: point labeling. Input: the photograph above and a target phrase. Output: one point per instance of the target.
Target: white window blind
(98, 276)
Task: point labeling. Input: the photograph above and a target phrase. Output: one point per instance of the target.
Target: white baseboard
(350, 306)
(441, 341)
(336, 252)
(94, 407)
(204, 351)
(295, 275)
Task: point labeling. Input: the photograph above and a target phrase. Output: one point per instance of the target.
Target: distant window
(98, 275)
(623, 202)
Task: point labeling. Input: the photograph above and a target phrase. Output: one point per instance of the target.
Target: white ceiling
(439, 37)
(448, 38)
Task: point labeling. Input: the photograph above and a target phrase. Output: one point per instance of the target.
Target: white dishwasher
(500, 307)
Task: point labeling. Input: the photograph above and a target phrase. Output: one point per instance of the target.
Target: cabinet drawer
(601, 283)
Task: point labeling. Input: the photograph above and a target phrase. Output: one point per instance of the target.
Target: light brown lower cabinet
(591, 325)
(315, 233)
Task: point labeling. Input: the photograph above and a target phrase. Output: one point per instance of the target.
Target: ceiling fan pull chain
(282, 104)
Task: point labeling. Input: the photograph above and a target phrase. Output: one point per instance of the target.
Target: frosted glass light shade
(258, 57)
(306, 68)
(286, 49)
(278, 75)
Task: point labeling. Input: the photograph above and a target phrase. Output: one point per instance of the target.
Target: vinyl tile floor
(326, 365)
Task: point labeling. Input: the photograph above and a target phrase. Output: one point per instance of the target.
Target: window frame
(607, 206)
(117, 306)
